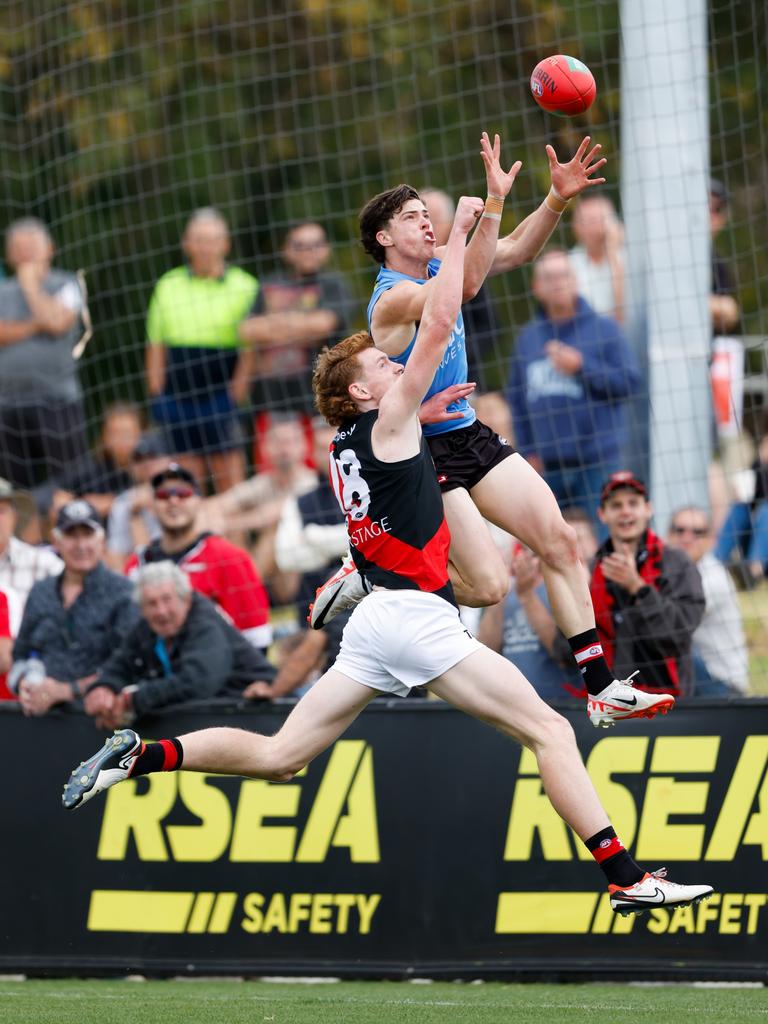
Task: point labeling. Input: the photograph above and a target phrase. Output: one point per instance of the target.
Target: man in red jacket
(216, 567)
(648, 597)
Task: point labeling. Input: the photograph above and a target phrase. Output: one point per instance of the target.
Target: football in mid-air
(563, 85)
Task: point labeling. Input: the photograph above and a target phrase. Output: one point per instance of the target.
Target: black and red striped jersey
(398, 535)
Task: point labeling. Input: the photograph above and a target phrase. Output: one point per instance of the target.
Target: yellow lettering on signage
(611, 756)
(275, 916)
(739, 800)
(757, 827)
(127, 812)
(320, 920)
(682, 920)
(318, 913)
(299, 910)
(665, 797)
(532, 813)
(344, 901)
(366, 907)
(254, 841)
(708, 911)
(207, 841)
(730, 919)
(658, 920)
(755, 901)
(254, 918)
(348, 780)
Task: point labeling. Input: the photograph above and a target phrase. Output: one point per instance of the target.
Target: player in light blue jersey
(480, 475)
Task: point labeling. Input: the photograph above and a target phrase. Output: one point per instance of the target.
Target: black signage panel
(421, 842)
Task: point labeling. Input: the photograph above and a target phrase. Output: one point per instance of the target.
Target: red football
(563, 85)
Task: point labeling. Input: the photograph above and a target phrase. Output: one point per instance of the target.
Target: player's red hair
(335, 369)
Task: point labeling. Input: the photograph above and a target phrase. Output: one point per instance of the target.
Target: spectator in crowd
(182, 649)
(481, 322)
(99, 476)
(720, 660)
(42, 424)
(6, 647)
(598, 256)
(570, 375)
(72, 621)
(132, 522)
(197, 370)
(522, 627)
(723, 307)
(744, 534)
(21, 564)
(299, 309)
(311, 534)
(216, 567)
(303, 659)
(648, 597)
(255, 506)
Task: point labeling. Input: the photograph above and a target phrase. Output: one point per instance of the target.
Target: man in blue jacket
(570, 375)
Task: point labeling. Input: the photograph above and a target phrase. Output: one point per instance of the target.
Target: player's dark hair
(335, 369)
(378, 212)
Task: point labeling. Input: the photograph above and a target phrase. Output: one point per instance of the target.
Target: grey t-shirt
(41, 367)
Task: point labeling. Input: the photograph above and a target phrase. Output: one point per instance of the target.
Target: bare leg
(320, 717)
(516, 498)
(492, 689)
(476, 568)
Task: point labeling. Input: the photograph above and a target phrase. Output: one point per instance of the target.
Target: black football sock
(588, 652)
(164, 756)
(617, 865)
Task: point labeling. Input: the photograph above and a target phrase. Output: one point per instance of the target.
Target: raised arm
(401, 403)
(529, 237)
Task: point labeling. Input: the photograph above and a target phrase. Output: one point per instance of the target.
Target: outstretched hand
(499, 181)
(575, 176)
(435, 409)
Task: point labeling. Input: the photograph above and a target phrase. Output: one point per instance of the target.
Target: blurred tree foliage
(121, 116)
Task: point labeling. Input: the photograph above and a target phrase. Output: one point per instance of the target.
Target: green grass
(258, 1002)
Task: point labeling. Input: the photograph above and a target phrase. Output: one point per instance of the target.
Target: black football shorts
(463, 457)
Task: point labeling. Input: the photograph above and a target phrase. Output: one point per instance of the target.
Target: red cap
(624, 478)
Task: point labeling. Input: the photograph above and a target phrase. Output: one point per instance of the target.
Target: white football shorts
(398, 639)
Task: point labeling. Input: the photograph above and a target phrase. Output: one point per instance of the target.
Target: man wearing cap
(216, 567)
(132, 521)
(74, 620)
(21, 564)
(648, 597)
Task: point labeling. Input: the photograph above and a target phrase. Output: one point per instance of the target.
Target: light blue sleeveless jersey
(452, 369)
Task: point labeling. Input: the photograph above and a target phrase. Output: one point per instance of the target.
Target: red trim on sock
(170, 756)
(608, 848)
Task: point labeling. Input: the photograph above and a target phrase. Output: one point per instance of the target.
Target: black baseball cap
(174, 471)
(78, 513)
(624, 478)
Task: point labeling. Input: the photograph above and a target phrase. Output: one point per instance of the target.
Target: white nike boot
(620, 700)
(654, 890)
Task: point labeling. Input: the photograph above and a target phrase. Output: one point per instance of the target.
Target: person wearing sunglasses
(720, 659)
(216, 567)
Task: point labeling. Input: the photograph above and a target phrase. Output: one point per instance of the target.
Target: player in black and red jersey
(407, 632)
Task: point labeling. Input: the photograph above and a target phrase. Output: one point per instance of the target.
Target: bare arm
(398, 310)
(6, 645)
(398, 409)
(294, 670)
(491, 627)
(290, 328)
(52, 316)
(155, 368)
(13, 331)
(527, 240)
